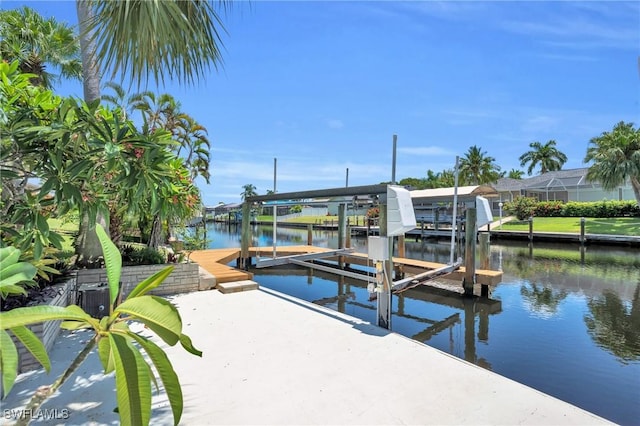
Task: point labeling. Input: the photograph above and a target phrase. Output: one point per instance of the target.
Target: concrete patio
(273, 359)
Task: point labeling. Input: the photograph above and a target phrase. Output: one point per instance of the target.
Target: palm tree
(616, 157)
(476, 168)
(547, 155)
(163, 39)
(249, 190)
(37, 43)
(193, 139)
(137, 38)
(515, 174)
(122, 100)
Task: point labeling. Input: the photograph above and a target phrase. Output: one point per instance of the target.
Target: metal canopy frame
(379, 190)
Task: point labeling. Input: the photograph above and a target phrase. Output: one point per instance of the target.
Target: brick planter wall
(47, 331)
(185, 277)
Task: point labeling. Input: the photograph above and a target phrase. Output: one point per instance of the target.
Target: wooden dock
(215, 261)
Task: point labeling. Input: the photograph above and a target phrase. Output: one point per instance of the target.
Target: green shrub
(522, 207)
(548, 209)
(141, 256)
(601, 209)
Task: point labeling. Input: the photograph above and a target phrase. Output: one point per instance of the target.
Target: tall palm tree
(476, 168)
(515, 174)
(249, 190)
(194, 146)
(141, 39)
(39, 44)
(138, 39)
(616, 158)
(547, 156)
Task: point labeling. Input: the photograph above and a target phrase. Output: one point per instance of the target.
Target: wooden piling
(310, 235)
(245, 238)
(384, 297)
(484, 249)
(470, 251)
(530, 228)
(582, 227)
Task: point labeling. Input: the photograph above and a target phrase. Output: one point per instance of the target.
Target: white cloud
(425, 151)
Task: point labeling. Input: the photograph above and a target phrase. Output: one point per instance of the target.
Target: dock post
(402, 249)
(384, 297)
(485, 255)
(341, 224)
(436, 219)
(310, 235)
(470, 251)
(530, 228)
(245, 238)
(582, 223)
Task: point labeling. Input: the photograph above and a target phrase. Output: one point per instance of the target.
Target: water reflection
(615, 325)
(542, 300)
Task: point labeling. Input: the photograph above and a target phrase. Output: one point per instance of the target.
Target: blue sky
(323, 86)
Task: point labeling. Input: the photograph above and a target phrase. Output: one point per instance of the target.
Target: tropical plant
(14, 275)
(118, 345)
(547, 156)
(249, 190)
(24, 207)
(39, 44)
(616, 158)
(522, 207)
(476, 168)
(139, 39)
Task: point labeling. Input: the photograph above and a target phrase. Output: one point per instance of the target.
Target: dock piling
(470, 252)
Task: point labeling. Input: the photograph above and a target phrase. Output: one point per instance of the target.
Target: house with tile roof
(560, 185)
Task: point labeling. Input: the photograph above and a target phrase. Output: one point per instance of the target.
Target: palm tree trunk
(90, 71)
(88, 246)
(635, 184)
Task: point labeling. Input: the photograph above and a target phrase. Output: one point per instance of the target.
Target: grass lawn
(66, 231)
(612, 226)
(59, 226)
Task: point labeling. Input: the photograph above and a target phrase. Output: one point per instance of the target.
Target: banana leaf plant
(119, 348)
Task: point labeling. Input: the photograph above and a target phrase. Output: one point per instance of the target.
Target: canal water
(566, 321)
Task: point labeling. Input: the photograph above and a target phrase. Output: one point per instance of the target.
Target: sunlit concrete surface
(272, 359)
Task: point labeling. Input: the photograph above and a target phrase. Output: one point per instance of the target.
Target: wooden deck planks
(215, 262)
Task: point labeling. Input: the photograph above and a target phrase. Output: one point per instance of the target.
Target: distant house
(561, 185)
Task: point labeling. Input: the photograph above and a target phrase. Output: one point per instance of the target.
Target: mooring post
(341, 224)
(485, 256)
(530, 228)
(384, 297)
(582, 223)
(402, 249)
(245, 238)
(470, 251)
(484, 249)
(436, 219)
(310, 234)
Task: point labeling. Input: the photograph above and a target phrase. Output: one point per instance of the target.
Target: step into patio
(237, 286)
